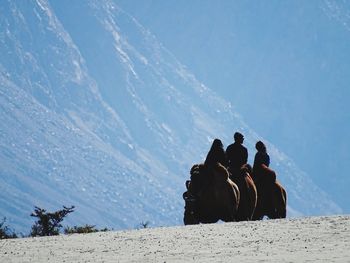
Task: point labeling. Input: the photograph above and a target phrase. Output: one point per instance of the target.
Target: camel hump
(220, 172)
(246, 168)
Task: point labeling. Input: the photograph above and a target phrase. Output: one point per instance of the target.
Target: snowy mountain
(96, 113)
(283, 64)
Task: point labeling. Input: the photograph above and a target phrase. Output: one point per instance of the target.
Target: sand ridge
(317, 239)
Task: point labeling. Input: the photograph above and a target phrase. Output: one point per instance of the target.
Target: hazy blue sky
(284, 65)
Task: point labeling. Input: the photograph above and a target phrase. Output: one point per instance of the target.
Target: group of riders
(236, 156)
(235, 161)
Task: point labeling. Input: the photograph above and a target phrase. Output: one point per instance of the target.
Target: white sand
(317, 239)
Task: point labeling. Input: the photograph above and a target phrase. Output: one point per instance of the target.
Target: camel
(272, 201)
(248, 193)
(211, 195)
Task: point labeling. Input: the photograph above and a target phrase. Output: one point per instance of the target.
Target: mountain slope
(110, 125)
(284, 65)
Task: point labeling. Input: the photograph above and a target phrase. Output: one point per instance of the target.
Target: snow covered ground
(317, 239)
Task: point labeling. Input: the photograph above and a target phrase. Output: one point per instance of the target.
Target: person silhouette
(236, 154)
(216, 154)
(261, 164)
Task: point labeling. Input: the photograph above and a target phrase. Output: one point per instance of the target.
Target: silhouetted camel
(211, 196)
(272, 201)
(248, 193)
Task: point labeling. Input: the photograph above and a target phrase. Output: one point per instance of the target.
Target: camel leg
(189, 218)
(283, 208)
(279, 203)
(258, 212)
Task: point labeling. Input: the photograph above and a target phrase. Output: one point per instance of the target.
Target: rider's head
(238, 137)
(260, 146)
(217, 143)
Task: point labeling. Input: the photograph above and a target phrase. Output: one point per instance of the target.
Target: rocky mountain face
(96, 113)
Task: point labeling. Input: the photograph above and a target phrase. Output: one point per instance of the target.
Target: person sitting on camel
(216, 154)
(236, 154)
(262, 172)
(203, 176)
